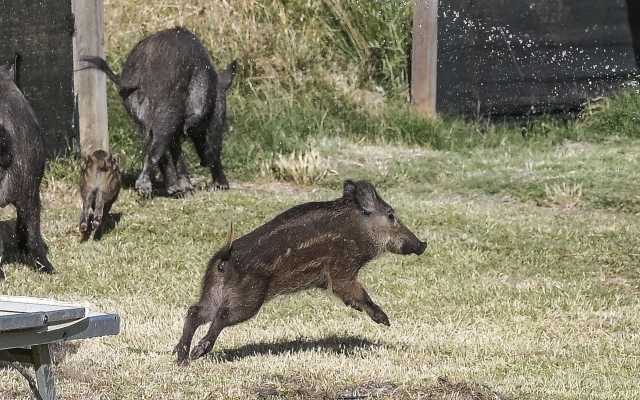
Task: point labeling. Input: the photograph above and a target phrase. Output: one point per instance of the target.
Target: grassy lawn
(529, 288)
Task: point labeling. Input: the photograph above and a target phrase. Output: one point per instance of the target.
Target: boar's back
(162, 64)
(327, 226)
(21, 128)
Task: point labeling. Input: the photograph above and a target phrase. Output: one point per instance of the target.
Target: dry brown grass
(302, 168)
(261, 34)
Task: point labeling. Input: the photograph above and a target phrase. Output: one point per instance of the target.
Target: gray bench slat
(93, 325)
(11, 321)
(54, 313)
(36, 300)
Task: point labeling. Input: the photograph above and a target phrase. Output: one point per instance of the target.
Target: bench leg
(44, 373)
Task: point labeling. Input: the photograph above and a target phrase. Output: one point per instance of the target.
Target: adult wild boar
(22, 164)
(313, 245)
(99, 188)
(171, 89)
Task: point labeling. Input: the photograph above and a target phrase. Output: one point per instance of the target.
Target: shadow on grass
(342, 345)
(108, 224)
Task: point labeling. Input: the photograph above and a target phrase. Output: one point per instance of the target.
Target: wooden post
(424, 58)
(44, 373)
(90, 84)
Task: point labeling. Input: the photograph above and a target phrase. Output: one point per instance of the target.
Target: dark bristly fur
(22, 164)
(171, 89)
(313, 245)
(99, 187)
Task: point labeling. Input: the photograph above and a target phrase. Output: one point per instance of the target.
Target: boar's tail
(6, 151)
(101, 64)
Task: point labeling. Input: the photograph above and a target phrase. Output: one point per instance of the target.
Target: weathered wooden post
(424, 57)
(90, 84)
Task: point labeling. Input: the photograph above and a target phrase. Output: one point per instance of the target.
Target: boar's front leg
(29, 236)
(209, 154)
(353, 295)
(85, 214)
(98, 211)
(1, 257)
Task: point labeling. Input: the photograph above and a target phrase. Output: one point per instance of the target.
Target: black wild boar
(22, 164)
(171, 89)
(99, 187)
(320, 244)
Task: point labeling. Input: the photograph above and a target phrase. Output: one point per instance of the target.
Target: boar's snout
(416, 248)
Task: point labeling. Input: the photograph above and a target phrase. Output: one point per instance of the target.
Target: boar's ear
(349, 189)
(360, 193)
(226, 250)
(115, 161)
(226, 77)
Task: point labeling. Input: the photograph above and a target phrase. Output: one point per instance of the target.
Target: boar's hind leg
(192, 321)
(239, 309)
(170, 175)
(354, 296)
(158, 138)
(206, 344)
(29, 236)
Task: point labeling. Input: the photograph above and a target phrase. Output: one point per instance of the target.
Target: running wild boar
(313, 245)
(171, 89)
(22, 164)
(99, 187)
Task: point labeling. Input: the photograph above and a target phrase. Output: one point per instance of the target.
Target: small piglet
(22, 163)
(313, 245)
(99, 187)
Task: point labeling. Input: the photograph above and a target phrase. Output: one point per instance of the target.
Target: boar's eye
(392, 218)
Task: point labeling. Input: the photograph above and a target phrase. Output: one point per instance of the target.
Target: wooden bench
(29, 325)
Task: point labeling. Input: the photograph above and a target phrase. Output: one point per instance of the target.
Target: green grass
(517, 293)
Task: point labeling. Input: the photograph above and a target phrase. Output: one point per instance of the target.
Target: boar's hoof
(143, 186)
(200, 350)
(185, 184)
(381, 318)
(176, 191)
(217, 186)
(2, 276)
(182, 352)
(43, 265)
(84, 227)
